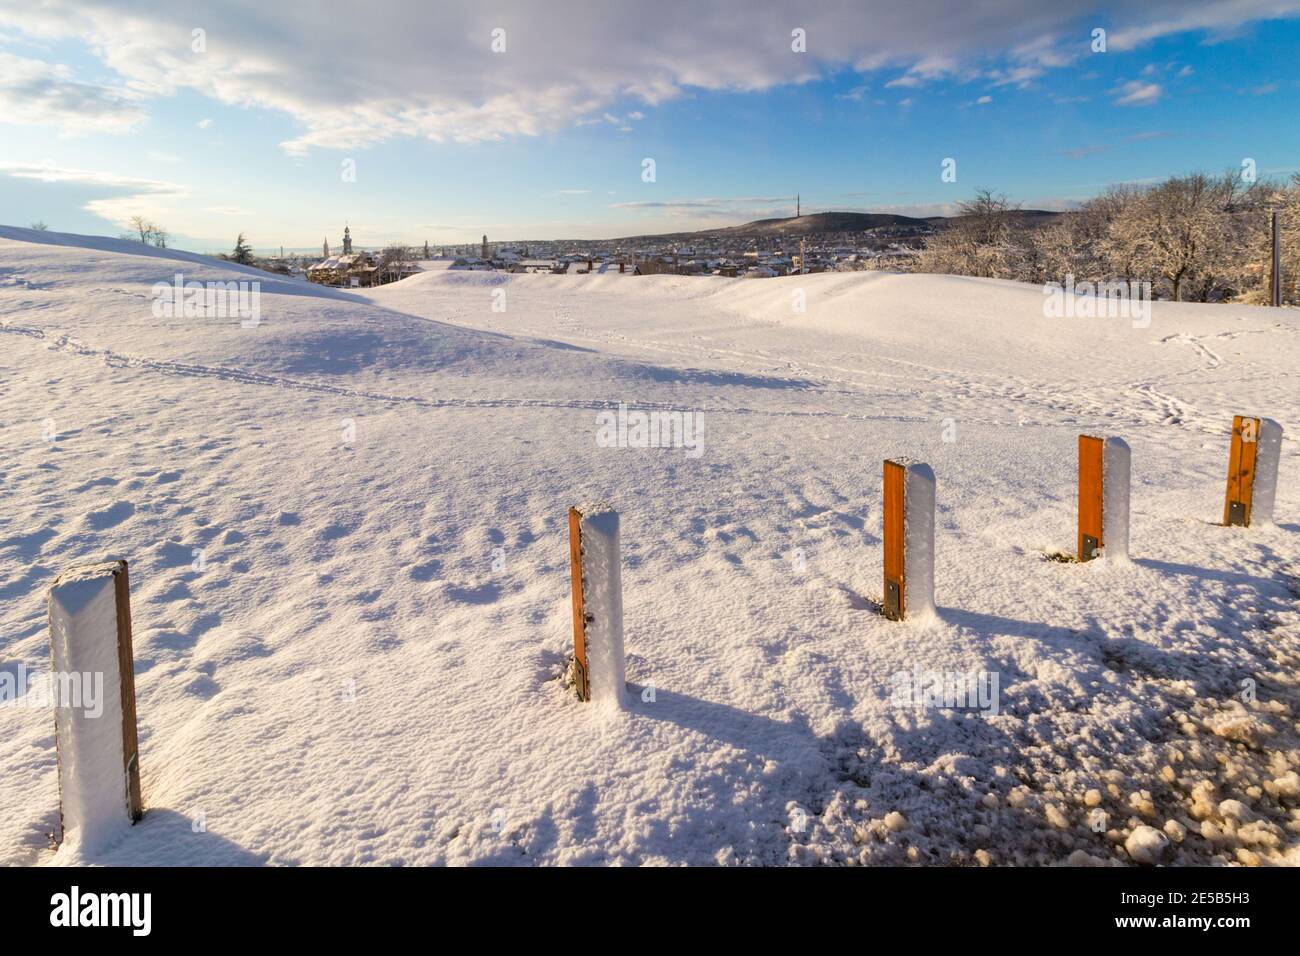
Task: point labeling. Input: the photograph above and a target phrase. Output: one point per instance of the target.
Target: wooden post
(1104, 465)
(595, 567)
(895, 482)
(1241, 471)
(1090, 497)
(579, 607)
(1252, 471)
(126, 676)
(90, 640)
(908, 538)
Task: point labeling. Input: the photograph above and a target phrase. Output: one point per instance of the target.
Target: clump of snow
(1286, 786)
(1146, 844)
(1235, 810)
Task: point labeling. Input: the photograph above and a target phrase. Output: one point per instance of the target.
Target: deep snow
(348, 541)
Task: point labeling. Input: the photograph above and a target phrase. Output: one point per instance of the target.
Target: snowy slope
(368, 667)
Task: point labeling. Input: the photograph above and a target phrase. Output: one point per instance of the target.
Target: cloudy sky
(445, 120)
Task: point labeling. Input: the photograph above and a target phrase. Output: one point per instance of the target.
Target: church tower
(347, 241)
(485, 252)
(325, 249)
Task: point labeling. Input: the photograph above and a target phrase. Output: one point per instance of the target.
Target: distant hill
(821, 222)
(828, 222)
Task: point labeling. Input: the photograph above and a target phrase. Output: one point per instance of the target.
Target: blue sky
(106, 112)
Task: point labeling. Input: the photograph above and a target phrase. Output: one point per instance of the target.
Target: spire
(347, 240)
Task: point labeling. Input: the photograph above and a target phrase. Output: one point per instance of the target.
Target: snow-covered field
(368, 668)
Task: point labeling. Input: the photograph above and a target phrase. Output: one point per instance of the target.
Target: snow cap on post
(1104, 470)
(600, 671)
(1252, 471)
(95, 721)
(908, 538)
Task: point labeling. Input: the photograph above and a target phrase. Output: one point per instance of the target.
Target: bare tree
(1182, 231)
(395, 261)
(39, 226)
(150, 233)
(985, 240)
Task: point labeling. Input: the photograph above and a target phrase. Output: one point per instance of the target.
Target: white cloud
(408, 68)
(151, 198)
(47, 94)
(1137, 93)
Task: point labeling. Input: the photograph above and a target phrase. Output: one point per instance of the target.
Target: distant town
(822, 242)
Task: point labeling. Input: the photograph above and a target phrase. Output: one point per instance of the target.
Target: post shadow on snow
(848, 756)
(1117, 652)
(1237, 578)
(972, 745)
(759, 735)
(165, 837)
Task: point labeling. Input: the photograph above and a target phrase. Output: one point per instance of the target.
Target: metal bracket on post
(893, 600)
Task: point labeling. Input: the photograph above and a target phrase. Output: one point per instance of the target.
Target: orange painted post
(1241, 471)
(1090, 497)
(1105, 475)
(579, 607)
(909, 538)
(895, 584)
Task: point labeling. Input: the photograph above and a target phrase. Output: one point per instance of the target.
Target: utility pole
(1275, 293)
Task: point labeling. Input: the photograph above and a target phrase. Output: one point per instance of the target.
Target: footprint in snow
(481, 594)
(108, 517)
